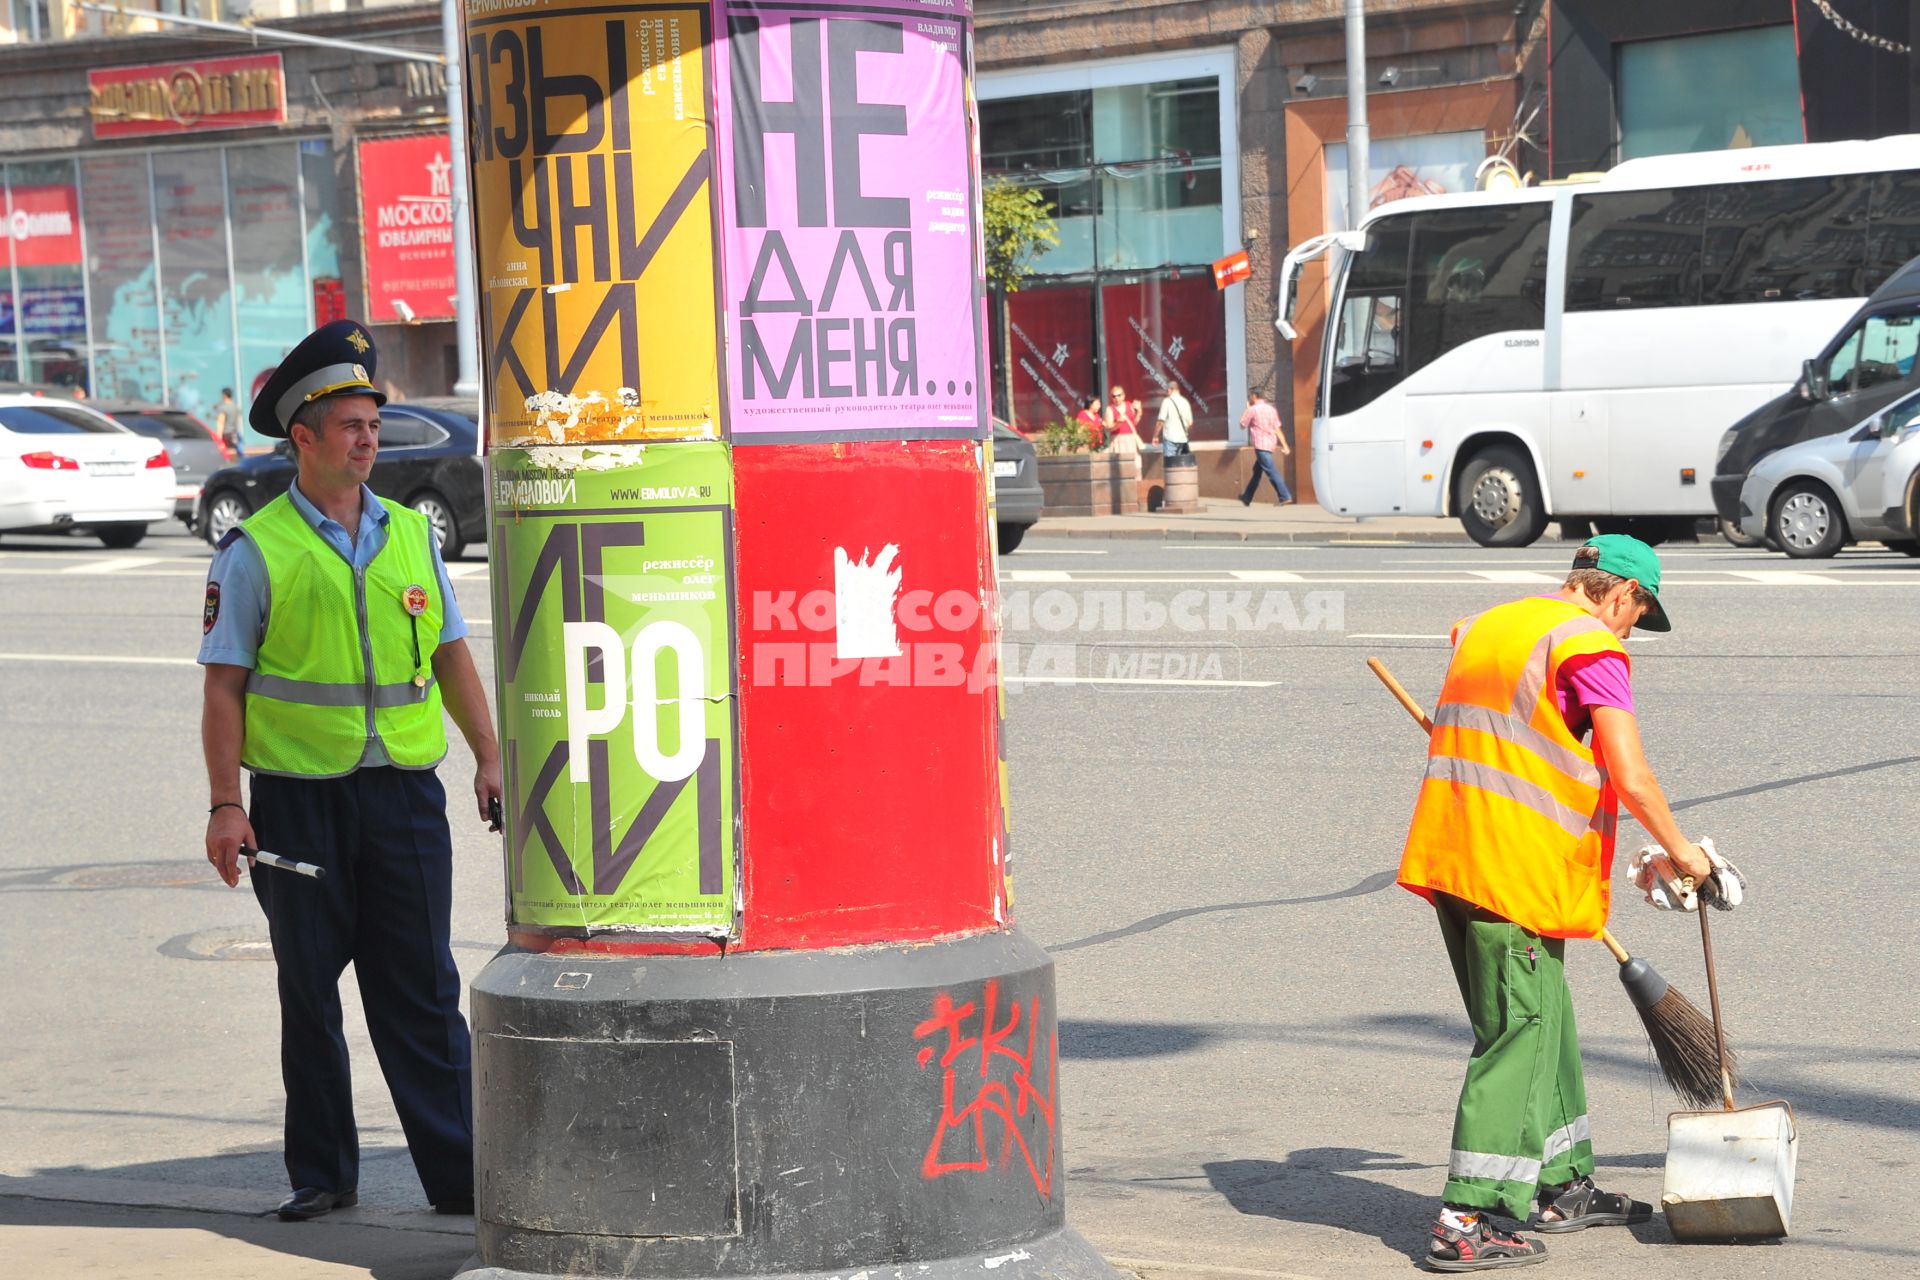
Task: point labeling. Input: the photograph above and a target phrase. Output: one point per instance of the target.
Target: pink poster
(849, 268)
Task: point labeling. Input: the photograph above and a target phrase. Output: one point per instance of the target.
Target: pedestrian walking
(1175, 422)
(1512, 840)
(226, 421)
(1122, 420)
(318, 586)
(1261, 422)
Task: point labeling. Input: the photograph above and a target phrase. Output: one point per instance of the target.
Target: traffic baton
(274, 860)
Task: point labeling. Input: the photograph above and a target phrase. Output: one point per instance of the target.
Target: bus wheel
(1499, 499)
(1807, 521)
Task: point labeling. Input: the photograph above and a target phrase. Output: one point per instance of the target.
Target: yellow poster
(592, 193)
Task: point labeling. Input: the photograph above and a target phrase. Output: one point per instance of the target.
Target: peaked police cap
(336, 359)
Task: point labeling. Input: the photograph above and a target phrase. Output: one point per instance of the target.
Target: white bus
(1578, 350)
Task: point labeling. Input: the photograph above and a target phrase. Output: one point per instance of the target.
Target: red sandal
(1480, 1248)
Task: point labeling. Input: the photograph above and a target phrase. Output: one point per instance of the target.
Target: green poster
(613, 614)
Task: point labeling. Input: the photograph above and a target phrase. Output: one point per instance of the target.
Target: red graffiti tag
(998, 1083)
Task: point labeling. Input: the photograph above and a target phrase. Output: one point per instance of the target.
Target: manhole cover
(138, 875)
(218, 944)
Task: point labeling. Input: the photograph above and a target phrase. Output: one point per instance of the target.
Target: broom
(1683, 1038)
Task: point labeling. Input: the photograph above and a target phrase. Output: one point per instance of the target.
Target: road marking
(1055, 551)
(1784, 577)
(8, 571)
(1039, 575)
(1514, 576)
(1188, 684)
(466, 570)
(1392, 635)
(1264, 575)
(1239, 546)
(98, 657)
(114, 565)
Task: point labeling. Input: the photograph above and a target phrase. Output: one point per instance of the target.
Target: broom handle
(1713, 996)
(1394, 687)
(1379, 668)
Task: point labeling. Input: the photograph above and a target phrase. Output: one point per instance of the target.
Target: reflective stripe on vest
(336, 670)
(1515, 814)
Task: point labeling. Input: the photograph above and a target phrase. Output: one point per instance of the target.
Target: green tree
(1017, 225)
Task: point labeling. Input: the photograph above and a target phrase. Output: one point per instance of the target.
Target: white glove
(1652, 871)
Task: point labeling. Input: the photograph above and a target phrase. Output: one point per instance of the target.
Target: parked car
(427, 460)
(1854, 486)
(192, 447)
(1016, 485)
(65, 467)
(1866, 365)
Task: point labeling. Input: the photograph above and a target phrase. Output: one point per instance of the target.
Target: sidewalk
(1225, 520)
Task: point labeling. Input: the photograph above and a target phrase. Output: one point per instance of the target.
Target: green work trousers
(1522, 1120)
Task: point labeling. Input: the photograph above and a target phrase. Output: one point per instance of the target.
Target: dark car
(1016, 485)
(1865, 367)
(427, 461)
(192, 449)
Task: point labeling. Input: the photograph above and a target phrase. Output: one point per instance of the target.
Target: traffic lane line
(1147, 680)
(127, 658)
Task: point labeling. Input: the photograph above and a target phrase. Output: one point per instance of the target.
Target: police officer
(331, 640)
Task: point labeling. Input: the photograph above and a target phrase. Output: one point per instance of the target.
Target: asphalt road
(1261, 1043)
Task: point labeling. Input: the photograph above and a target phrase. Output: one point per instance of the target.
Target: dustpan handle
(1713, 996)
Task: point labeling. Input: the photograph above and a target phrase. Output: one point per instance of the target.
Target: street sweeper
(1533, 745)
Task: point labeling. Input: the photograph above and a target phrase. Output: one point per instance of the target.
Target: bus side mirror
(1814, 379)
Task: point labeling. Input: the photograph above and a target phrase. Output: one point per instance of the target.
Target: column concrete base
(887, 1109)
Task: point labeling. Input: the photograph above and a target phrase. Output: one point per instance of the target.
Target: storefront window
(269, 277)
(1709, 92)
(324, 231)
(127, 359)
(49, 291)
(1133, 177)
(196, 297)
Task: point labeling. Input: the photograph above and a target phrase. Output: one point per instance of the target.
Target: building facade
(183, 208)
(1167, 133)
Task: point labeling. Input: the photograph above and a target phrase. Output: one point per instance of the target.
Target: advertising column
(762, 1010)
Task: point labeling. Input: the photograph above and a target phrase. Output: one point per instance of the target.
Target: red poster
(187, 97)
(1232, 269)
(1169, 330)
(406, 228)
(1052, 337)
(42, 227)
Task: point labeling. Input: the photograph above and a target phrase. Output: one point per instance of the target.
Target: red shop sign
(41, 227)
(1232, 269)
(187, 97)
(406, 228)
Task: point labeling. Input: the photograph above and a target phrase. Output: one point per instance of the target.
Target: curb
(169, 1197)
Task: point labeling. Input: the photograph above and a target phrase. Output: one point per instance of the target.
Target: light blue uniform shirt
(238, 575)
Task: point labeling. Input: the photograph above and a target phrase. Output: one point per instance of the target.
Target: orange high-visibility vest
(1515, 814)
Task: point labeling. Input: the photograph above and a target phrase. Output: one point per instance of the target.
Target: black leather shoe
(459, 1206)
(311, 1202)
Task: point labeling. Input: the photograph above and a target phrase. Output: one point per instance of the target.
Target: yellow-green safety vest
(343, 660)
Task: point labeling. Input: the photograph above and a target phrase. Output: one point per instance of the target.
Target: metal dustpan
(1729, 1172)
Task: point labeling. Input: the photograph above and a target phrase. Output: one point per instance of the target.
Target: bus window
(1799, 239)
(1893, 226)
(1367, 356)
(1630, 249)
(1475, 271)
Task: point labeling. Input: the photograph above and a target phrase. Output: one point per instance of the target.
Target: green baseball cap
(1626, 556)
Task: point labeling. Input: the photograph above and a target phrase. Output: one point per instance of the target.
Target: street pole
(466, 330)
(1358, 136)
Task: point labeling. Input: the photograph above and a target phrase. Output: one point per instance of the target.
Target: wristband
(226, 804)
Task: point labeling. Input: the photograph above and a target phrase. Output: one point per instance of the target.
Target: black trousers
(385, 905)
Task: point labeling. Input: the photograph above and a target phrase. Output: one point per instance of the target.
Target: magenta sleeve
(1598, 680)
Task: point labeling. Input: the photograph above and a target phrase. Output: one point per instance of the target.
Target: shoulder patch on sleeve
(227, 539)
(211, 613)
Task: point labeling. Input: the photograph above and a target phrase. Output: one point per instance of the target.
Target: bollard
(1182, 475)
(762, 1009)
